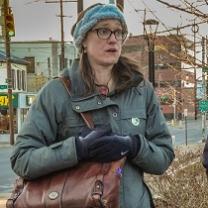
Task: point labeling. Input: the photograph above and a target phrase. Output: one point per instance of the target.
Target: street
(7, 177)
(6, 174)
(194, 132)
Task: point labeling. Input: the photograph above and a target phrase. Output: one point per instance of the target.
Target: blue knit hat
(92, 17)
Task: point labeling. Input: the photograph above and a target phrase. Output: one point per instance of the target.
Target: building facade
(175, 92)
(19, 86)
(44, 58)
(37, 62)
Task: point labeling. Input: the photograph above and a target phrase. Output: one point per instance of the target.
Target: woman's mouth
(111, 50)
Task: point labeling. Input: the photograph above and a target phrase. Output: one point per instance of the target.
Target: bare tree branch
(192, 7)
(198, 14)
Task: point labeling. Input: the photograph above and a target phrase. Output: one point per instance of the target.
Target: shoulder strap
(85, 115)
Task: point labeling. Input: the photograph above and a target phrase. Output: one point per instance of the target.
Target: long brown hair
(125, 74)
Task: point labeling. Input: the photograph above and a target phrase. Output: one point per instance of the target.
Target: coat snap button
(53, 195)
(77, 107)
(135, 121)
(115, 115)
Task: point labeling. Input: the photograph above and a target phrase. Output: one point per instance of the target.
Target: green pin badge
(135, 121)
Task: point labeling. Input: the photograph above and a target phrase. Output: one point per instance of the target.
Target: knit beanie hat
(92, 16)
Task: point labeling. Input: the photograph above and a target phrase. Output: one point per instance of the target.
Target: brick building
(174, 77)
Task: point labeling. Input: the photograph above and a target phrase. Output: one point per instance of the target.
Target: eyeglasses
(105, 33)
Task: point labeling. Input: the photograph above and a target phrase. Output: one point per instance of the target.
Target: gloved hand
(114, 147)
(86, 138)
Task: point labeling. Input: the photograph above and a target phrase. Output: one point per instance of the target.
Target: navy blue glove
(86, 138)
(114, 147)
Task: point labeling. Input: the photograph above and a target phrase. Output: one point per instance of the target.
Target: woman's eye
(119, 32)
(104, 31)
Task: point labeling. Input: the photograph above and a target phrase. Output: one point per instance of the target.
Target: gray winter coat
(46, 141)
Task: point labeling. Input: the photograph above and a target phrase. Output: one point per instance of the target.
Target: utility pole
(62, 36)
(195, 29)
(174, 105)
(204, 84)
(120, 4)
(79, 6)
(62, 60)
(8, 22)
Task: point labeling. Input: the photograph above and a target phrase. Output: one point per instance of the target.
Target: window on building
(19, 80)
(23, 80)
(161, 66)
(13, 79)
(176, 83)
(31, 64)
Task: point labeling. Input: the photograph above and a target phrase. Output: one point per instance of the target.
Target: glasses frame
(123, 37)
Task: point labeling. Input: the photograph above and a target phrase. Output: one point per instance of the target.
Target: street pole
(174, 105)
(186, 133)
(79, 6)
(62, 36)
(120, 4)
(195, 29)
(186, 138)
(9, 74)
(150, 28)
(151, 61)
(204, 90)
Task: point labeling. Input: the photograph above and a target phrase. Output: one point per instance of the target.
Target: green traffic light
(10, 25)
(11, 33)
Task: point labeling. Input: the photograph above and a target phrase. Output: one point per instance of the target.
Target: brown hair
(125, 74)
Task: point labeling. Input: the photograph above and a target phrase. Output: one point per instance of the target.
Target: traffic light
(9, 23)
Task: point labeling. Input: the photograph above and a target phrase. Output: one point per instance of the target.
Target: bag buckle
(97, 194)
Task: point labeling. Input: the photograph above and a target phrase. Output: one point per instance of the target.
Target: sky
(37, 20)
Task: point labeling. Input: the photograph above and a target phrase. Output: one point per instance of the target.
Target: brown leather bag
(88, 185)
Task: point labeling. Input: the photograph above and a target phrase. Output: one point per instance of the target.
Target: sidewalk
(2, 203)
(4, 142)
(5, 139)
(3, 198)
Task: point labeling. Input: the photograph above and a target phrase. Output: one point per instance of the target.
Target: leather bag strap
(85, 115)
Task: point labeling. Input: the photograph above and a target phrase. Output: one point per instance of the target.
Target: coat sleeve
(36, 151)
(156, 151)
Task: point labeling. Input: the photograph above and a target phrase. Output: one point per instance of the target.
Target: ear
(84, 46)
(84, 43)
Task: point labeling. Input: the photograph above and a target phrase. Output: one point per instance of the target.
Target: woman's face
(101, 45)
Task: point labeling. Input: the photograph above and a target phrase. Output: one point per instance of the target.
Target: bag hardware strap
(98, 187)
(85, 115)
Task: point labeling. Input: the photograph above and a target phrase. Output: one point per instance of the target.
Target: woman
(115, 92)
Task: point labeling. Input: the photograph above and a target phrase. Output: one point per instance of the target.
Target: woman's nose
(112, 38)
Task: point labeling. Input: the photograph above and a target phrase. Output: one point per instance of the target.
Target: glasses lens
(103, 33)
(119, 34)
(124, 35)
